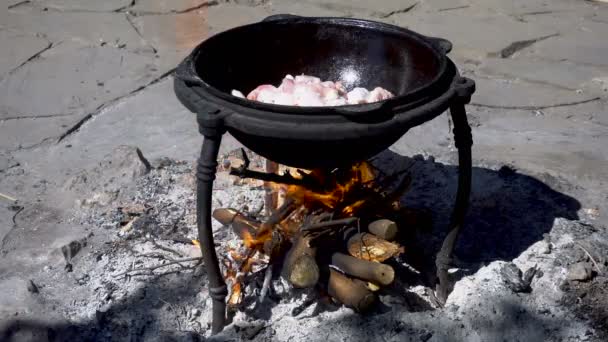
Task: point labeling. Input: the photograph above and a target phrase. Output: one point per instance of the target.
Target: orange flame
(360, 175)
(340, 190)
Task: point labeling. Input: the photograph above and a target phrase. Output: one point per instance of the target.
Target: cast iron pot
(360, 53)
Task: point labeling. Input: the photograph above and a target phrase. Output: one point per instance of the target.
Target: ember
(331, 231)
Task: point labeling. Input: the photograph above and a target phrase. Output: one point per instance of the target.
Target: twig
(266, 284)
(152, 268)
(590, 257)
(7, 197)
(167, 249)
(305, 304)
(325, 224)
(182, 240)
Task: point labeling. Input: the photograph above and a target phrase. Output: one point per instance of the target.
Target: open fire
(332, 229)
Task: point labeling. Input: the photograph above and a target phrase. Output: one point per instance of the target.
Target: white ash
(177, 305)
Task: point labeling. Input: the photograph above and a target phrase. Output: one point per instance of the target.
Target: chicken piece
(237, 94)
(341, 101)
(255, 93)
(357, 96)
(285, 99)
(304, 79)
(330, 94)
(268, 95)
(305, 95)
(287, 85)
(378, 94)
(338, 85)
(310, 91)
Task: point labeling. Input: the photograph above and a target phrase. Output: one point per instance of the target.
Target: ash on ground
(123, 281)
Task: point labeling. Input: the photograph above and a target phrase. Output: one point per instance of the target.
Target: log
(300, 268)
(367, 270)
(384, 229)
(239, 222)
(372, 248)
(271, 198)
(349, 292)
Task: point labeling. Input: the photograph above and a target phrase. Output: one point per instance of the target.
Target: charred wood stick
(166, 249)
(271, 198)
(349, 292)
(367, 270)
(372, 248)
(287, 179)
(384, 229)
(305, 304)
(300, 268)
(152, 268)
(341, 222)
(266, 284)
(286, 208)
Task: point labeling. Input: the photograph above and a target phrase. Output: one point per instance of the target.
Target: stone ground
(80, 78)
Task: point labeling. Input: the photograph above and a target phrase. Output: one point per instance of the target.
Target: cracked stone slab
(563, 74)
(31, 132)
(95, 29)
(443, 5)
(7, 161)
(563, 141)
(14, 3)
(23, 47)
(153, 120)
(74, 78)
(542, 143)
(168, 6)
(39, 234)
(225, 17)
(528, 7)
(590, 47)
(514, 93)
(175, 35)
(476, 35)
(67, 82)
(302, 8)
(379, 8)
(85, 5)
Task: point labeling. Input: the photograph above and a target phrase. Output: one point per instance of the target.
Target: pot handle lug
(442, 44)
(186, 72)
(281, 17)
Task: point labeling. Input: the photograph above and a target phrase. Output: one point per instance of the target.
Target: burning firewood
(372, 248)
(300, 267)
(271, 198)
(367, 270)
(384, 229)
(321, 214)
(349, 292)
(239, 222)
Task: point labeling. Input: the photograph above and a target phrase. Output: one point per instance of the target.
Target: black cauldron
(359, 53)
